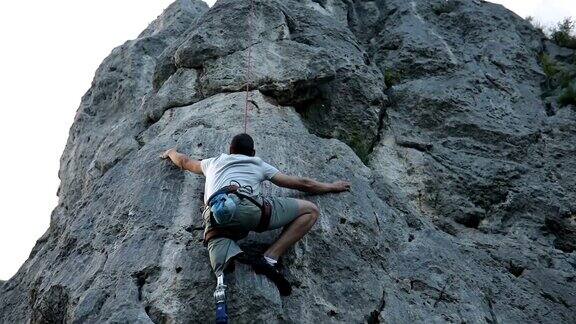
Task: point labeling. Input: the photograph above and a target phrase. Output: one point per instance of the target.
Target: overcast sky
(50, 51)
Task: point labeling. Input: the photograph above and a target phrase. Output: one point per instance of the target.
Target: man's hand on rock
(166, 154)
(341, 186)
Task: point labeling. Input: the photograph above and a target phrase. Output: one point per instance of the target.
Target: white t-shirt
(246, 170)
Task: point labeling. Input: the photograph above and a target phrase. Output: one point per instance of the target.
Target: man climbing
(234, 205)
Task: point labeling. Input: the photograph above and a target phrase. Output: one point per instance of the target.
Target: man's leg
(307, 215)
(297, 217)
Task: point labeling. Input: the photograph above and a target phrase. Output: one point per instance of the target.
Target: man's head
(242, 144)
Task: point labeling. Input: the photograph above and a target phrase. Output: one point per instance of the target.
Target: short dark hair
(242, 144)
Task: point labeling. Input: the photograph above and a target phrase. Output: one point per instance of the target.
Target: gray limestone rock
(464, 187)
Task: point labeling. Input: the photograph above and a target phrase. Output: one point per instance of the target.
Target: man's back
(246, 170)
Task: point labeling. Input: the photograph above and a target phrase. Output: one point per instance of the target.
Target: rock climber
(234, 205)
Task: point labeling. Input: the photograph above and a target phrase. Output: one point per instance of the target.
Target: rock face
(464, 187)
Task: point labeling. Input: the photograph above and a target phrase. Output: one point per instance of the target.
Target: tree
(563, 33)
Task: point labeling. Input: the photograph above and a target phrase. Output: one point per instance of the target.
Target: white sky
(50, 51)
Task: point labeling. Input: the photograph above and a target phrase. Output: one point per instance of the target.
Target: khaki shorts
(244, 220)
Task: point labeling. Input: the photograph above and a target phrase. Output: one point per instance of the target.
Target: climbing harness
(242, 192)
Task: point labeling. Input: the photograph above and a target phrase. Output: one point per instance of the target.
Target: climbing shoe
(261, 266)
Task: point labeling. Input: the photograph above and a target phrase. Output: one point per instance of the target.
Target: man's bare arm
(309, 185)
(182, 161)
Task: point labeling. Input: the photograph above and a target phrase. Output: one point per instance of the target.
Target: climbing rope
(249, 63)
(248, 80)
(248, 76)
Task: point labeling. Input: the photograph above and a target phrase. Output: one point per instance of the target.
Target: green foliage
(391, 77)
(568, 95)
(563, 33)
(560, 75)
(560, 80)
(565, 78)
(549, 66)
(557, 74)
(358, 143)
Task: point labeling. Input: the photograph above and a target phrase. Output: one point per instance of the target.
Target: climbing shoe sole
(264, 268)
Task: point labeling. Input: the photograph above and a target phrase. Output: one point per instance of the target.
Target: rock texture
(464, 188)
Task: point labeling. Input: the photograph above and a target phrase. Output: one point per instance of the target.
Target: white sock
(270, 261)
